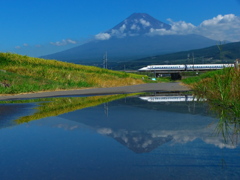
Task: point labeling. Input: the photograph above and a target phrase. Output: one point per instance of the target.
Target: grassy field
(20, 74)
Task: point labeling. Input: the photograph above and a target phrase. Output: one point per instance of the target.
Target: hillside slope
(20, 74)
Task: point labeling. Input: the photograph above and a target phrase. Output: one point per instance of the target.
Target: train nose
(143, 69)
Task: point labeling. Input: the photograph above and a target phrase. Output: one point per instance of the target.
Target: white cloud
(24, 45)
(218, 28)
(64, 42)
(180, 27)
(145, 23)
(118, 33)
(219, 20)
(103, 36)
(221, 28)
(70, 41)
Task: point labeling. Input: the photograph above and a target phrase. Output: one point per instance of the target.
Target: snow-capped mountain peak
(136, 24)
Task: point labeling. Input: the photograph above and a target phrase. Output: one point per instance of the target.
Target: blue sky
(41, 27)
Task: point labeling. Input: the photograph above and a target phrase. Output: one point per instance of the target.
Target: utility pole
(105, 61)
(188, 58)
(105, 106)
(193, 60)
(220, 47)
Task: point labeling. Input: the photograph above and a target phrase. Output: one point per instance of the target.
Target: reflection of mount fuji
(137, 141)
(142, 126)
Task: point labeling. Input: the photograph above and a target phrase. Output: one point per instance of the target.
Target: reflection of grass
(229, 120)
(56, 106)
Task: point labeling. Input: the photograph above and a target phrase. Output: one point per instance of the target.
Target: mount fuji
(131, 39)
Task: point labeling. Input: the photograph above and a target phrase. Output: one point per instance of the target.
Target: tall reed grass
(223, 86)
(222, 90)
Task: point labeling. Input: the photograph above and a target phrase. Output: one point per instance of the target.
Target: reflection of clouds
(67, 126)
(104, 131)
(219, 143)
(143, 141)
(185, 136)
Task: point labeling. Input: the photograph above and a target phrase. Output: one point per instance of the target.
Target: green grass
(196, 79)
(27, 74)
(222, 90)
(221, 85)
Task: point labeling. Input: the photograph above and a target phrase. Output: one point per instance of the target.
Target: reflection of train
(170, 98)
(185, 67)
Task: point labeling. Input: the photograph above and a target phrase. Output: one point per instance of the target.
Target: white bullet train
(185, 67)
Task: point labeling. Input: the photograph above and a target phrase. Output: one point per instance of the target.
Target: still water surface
(114, 138)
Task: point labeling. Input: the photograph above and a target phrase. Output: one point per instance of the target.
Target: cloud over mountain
(102, 36)
(221, 27)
